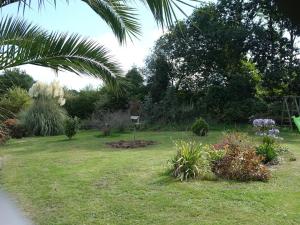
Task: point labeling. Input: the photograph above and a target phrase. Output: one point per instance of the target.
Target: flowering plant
(52, 90)
(266, 127)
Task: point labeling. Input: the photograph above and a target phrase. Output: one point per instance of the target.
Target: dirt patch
(130, 144)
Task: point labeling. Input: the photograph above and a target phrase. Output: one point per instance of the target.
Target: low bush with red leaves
(15, 129)
(240, 161)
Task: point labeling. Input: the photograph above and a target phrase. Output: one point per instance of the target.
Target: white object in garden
(52, 90)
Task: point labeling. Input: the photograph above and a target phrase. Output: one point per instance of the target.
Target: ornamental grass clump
(45, 117)
(193, 160)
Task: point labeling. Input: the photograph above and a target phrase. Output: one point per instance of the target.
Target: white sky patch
(132, 54)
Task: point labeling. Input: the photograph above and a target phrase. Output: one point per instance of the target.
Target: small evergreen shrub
(200, 127)
(191, 161)
(71, 126)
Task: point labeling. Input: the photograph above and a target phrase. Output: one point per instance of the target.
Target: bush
(242, 166)
(192, 161)
(44, 118)
(71, 127)
(268, 152)
(15, 100)
(200, 127)
(240, 161)
(15, 129)
(81, 104)
(3, 135)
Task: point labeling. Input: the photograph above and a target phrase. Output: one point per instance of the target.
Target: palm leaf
(120, 16)
(22, 43)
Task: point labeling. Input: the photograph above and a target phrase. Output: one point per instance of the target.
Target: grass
(82, 181)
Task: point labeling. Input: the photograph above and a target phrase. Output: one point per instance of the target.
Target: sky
(76, 17)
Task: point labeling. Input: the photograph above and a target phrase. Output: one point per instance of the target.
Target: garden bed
(130, 144)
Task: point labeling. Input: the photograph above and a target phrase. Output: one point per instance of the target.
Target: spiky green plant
(44, 118)
(193, 160)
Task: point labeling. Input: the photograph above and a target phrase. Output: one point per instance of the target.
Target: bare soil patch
(130, 144)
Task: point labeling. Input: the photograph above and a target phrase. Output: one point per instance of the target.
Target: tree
(23, 43)
(136, 88)
(15, 78)
(82, 104)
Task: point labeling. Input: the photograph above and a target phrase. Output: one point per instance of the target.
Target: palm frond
(22, 43)
(120, 16)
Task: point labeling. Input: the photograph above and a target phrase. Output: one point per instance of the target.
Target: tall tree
(15, 78)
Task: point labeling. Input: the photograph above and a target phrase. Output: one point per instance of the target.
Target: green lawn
(82, 181)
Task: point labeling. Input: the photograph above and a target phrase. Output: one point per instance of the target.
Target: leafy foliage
(120, 15)
(191, 161)
(10, 79)
(3, 134)
(44, 118)
(71, 126)
(14, 128)
(200, 127)
(15, 100)
(82, 104)
(268, 151)
(23, 43)
(240, 161)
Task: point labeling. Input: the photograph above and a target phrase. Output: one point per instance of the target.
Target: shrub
(15, 100)
(71, 126)
(268, 152)
(240, 161)
(200, 127)
(269, 140)
(44, 118)
(234, 140)
(191, 161)
(81, 104)
(242, 166)
(3, 135)
(15, 129)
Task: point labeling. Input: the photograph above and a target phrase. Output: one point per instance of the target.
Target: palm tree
(23, 43)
